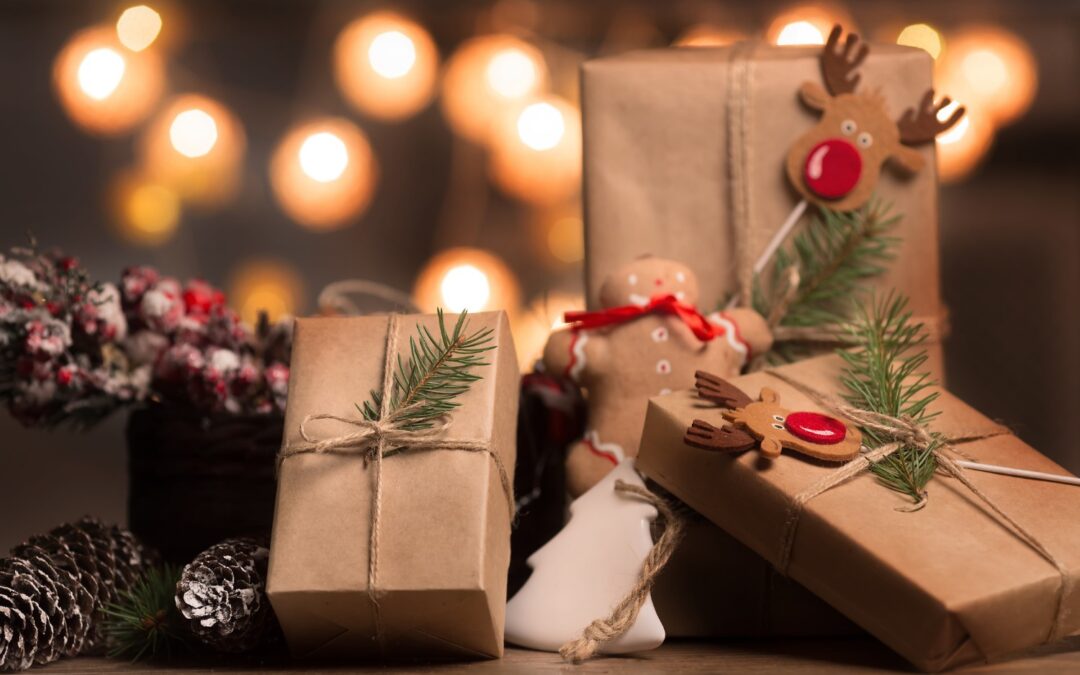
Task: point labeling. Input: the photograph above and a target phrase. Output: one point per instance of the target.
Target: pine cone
(223, 595)
(53, 588)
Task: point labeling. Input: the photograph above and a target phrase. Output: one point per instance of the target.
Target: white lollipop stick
(774, 243)
(1020, 473)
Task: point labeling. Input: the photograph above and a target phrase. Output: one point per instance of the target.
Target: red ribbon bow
(663, 304)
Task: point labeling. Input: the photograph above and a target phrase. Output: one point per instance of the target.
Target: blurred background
(274, 147)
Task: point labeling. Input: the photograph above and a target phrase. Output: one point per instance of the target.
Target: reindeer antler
(720, 391)
(923, 125)
(703, 435)
(838, 64)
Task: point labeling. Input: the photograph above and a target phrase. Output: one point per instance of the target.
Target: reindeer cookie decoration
(767, 424)
(837, 163)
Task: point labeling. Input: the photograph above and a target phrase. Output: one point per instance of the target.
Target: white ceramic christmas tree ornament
(586, 569)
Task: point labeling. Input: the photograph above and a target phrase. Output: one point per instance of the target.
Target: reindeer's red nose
(816, 428)
(832, 168)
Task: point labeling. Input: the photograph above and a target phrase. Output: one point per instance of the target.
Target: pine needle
(838, 251)
(438, 371)
(884, 374)
(144, 622)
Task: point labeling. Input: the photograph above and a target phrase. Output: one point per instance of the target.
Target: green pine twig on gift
(144, 623)
(838, 251)
(884, 374)
(439, 370)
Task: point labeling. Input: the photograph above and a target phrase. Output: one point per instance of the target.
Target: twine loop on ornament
(906, 432)
(387, 436)
(625, 613)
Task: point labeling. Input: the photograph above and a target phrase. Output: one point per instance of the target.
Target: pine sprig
(838, 251)
(439, 370)
(144, 623)
(884, 374)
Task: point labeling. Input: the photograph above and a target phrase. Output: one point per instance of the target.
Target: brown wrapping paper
(444, 537)
(685, 152)
(945, 585)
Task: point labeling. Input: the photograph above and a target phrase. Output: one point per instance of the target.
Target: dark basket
(194, 480)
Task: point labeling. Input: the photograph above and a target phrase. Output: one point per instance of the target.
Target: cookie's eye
(848, 127)
(778, 427)
(632, 279)
(865, 139)
(680, 277)
(778, 418)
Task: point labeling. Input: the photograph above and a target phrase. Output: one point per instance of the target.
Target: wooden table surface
(855, 655)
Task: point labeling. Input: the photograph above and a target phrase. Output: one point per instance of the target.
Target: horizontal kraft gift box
(945, 585)
(444, 515)
(685, 153)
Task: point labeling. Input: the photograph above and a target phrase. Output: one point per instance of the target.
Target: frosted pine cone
(223, 595)
(53, 588)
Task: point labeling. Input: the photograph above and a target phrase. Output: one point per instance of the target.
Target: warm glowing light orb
(386, 65)
(921, 36)
(138, 27)
(706, 35)
(541, 126)
(103, 87)
(196, 146)
(465, 288)
(536, 154)
(807, 24)
(269, 286)
(146, 212)
(488, 79)
(962, 148)
(323, 156)
(991, 70)
(800, 33)
(324, 173)
(566, 239)
(542, 316)
(392, 54)
(463, 278)
(100, 73)
(193, 133)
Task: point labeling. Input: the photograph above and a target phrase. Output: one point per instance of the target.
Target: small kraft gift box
(392, 528)
(983, 566)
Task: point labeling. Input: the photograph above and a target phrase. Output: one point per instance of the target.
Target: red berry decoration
(816, 428)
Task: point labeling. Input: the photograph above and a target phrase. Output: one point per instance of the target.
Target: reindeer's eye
(778, 418)
(848, 127)
(778, 427)
(865, 139)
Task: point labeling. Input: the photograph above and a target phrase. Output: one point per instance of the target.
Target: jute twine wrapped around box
(374, 440)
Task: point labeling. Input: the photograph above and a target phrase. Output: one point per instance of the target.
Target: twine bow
(385, 437)
(906, 432)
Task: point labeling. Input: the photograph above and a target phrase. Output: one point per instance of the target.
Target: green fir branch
(438, 371)
(144, 623)
(833, 255)
(885, 374)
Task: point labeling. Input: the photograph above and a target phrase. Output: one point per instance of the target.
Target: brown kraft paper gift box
(444, 533)
(684, 159)
(945, 585)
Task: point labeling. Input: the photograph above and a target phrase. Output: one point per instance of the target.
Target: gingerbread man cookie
(647, 340)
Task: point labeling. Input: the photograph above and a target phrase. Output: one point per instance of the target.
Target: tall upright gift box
(432, 579)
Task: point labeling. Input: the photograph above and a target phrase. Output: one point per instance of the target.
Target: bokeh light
(466, 279)
(961, 148)
(566, 239)
(138, 27)
(536, 155)
(145, 212)
(487, 79)
(386, 65)
(707, 35)
(922, 36)
(807, 24)
(324, 173)
(103, 87)
(196, 146)
(270, 286)
(992, 70)
(533, 326)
